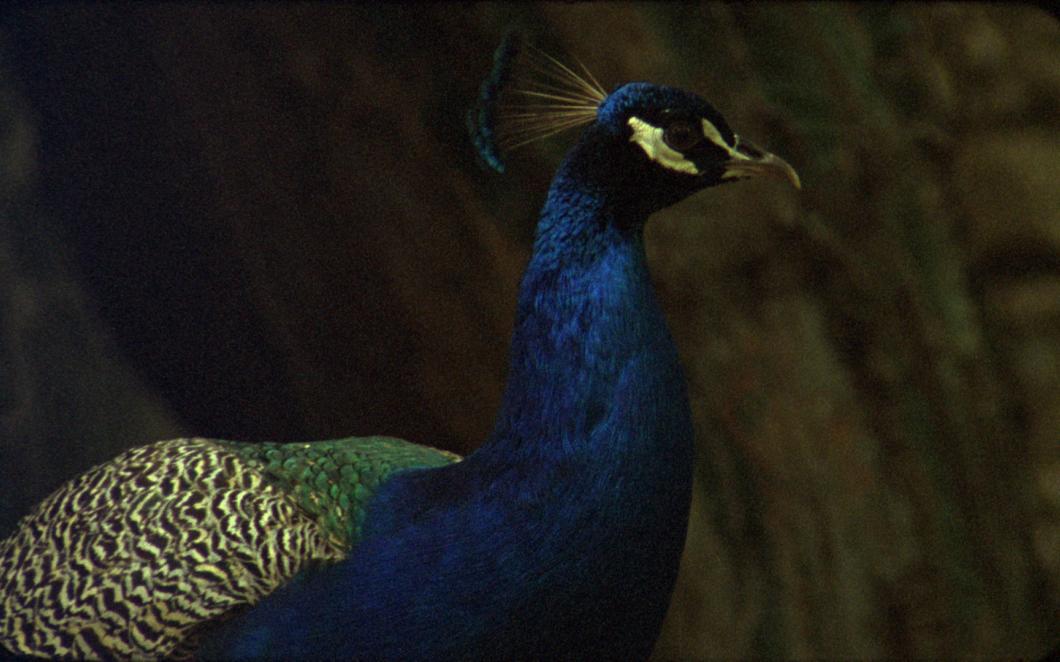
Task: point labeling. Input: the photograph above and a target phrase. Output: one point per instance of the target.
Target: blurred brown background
(266, 222)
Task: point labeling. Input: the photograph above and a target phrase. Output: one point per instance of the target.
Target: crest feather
(528, 96)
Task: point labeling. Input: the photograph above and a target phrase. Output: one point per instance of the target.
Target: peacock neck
(588, 469)
(585, 310)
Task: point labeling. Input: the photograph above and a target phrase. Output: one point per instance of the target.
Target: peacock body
(558, 538)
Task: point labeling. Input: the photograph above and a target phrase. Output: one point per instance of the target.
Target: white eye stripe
(713, 135)
(650, 139)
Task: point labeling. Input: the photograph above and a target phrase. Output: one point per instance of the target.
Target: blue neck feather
(560, 536)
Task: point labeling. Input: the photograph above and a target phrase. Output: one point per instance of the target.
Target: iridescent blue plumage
(560, 537)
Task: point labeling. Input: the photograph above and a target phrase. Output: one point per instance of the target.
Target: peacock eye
(682, 135)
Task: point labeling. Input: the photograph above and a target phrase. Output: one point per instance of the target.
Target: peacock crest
(528, 96)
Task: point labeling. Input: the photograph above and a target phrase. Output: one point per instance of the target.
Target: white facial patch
(713, 135)
(650, 139)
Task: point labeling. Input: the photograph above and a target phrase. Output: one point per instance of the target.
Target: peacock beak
(750, 161)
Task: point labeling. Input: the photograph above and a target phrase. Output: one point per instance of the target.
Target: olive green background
(266, 222)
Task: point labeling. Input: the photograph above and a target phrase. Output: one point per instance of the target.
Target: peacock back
(138, 554)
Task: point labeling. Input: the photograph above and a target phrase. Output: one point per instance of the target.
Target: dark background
(266, 222)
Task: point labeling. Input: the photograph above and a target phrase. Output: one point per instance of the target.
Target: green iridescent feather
(333, 480)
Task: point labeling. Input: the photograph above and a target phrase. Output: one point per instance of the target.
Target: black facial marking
(749, 150)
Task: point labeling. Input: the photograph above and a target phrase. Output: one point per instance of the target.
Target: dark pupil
(681, 135)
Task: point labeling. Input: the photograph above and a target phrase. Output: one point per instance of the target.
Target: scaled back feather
(133, 557)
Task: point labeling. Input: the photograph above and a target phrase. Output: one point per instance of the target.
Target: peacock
(559, 537)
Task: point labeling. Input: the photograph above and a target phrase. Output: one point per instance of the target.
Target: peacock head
(678, 133)
(658, 144)
(652, 145)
